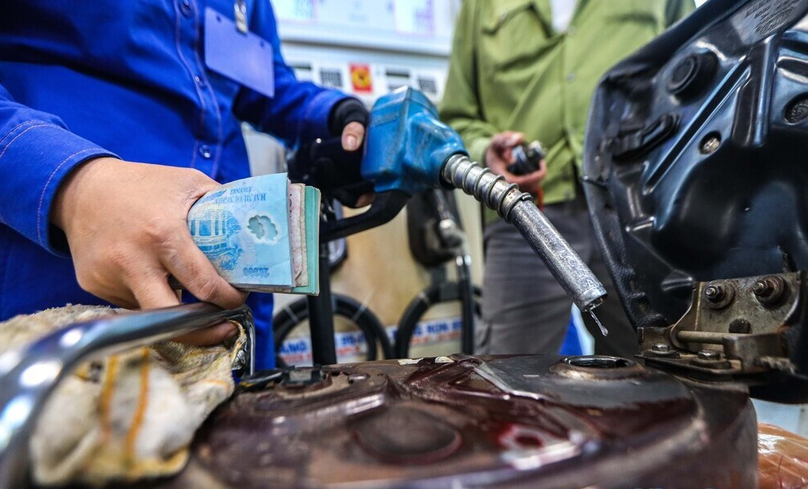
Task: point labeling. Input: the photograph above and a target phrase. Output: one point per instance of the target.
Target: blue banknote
(243, 229)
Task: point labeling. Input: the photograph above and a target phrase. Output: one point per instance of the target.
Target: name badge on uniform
(239, 55)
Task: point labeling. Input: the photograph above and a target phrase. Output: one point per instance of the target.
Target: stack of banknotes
(261, 233)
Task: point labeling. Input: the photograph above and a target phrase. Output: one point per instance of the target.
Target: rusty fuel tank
(471, 421)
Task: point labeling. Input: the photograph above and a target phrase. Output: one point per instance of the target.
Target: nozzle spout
(517, 208)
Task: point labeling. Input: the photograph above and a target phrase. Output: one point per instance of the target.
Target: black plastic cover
(696, 158)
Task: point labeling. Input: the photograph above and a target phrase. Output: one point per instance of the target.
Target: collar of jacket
(504, 9)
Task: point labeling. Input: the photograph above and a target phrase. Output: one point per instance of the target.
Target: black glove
(345, 112)
(325, 165)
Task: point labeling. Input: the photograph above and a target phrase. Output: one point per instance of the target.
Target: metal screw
(762, 288)
(714, 293)
(662, 350)
(710, 144)
(711, 359)
(769, 290)
(718, 295)
(709, 355)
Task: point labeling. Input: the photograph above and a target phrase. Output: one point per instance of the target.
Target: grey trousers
(525, 310)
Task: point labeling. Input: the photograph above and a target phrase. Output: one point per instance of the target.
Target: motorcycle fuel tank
(694, 175)
(466, 421)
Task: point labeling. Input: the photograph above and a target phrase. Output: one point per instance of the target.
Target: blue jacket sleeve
(299, 110)
(36, 153)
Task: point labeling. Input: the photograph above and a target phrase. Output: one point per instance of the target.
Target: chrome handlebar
(30, 374)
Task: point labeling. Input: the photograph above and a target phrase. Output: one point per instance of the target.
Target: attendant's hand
(353, 135)
(499, 155)
(126, 227)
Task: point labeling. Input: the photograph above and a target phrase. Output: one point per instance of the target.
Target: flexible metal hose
(517, 208)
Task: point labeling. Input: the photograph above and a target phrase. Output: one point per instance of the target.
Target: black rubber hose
(297, 312)
(434, 294)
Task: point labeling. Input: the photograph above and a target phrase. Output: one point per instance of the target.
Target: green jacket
(510, 70)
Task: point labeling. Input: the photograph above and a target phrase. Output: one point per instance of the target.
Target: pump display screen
(423, 26)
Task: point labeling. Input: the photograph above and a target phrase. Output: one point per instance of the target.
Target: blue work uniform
(82, 80)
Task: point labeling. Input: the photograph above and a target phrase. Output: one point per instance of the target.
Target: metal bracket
(734, 329)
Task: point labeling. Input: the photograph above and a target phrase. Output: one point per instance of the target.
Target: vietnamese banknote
(243, 228)
(297, 230)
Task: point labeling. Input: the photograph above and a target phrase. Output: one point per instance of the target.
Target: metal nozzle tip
(594, 304)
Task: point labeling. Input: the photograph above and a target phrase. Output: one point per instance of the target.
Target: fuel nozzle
(409, 149)
(518, 208)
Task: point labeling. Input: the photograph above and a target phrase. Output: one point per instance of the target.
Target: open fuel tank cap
(695, 175)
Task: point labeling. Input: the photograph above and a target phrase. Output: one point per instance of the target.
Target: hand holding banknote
(126, 227)
(261, 233)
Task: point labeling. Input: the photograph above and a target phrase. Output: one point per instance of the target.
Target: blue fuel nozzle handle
(406, 148)
(407, 145)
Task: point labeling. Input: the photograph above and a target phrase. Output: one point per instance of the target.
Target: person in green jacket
(524, 70)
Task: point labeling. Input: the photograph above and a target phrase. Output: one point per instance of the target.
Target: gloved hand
(349, 118)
